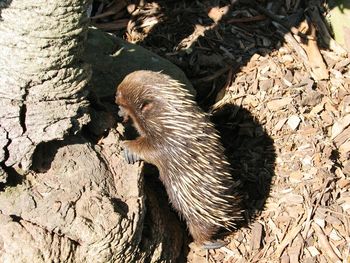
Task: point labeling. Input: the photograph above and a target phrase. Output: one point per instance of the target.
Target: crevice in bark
(104, 116)
(23, 110)
(43, 156)
(120, 207)
(16, 219)
(97, 102)
(13, 178)
(7, 153)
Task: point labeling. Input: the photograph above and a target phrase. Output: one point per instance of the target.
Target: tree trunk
(42, 79)
(63, 197)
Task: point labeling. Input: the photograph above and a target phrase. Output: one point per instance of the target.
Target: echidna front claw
(130, 157)
(214, 244)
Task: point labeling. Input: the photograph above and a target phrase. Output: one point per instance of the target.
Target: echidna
(177, 137)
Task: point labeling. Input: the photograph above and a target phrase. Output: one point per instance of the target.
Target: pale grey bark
(40, 42)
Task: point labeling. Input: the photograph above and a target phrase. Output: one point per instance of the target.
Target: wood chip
(292, 199)
(340, 125)
(293, 122)
(316, 61)
(313, 251)
(324, 244)
(320, 221)
(296, 176)
(334, 235)
(278, 104)
(345, 147)
(216, 13)
(317, 109)
(279, 125)
(257, 231)
(294, 252)
(288, 239)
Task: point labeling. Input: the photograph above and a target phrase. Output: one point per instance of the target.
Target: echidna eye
(146, 106)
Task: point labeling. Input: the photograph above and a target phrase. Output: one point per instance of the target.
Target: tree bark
(63, 197)
(40, 69)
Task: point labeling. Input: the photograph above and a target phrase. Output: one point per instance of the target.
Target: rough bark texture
(65, 198)
(39, 69)
(73, 212)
